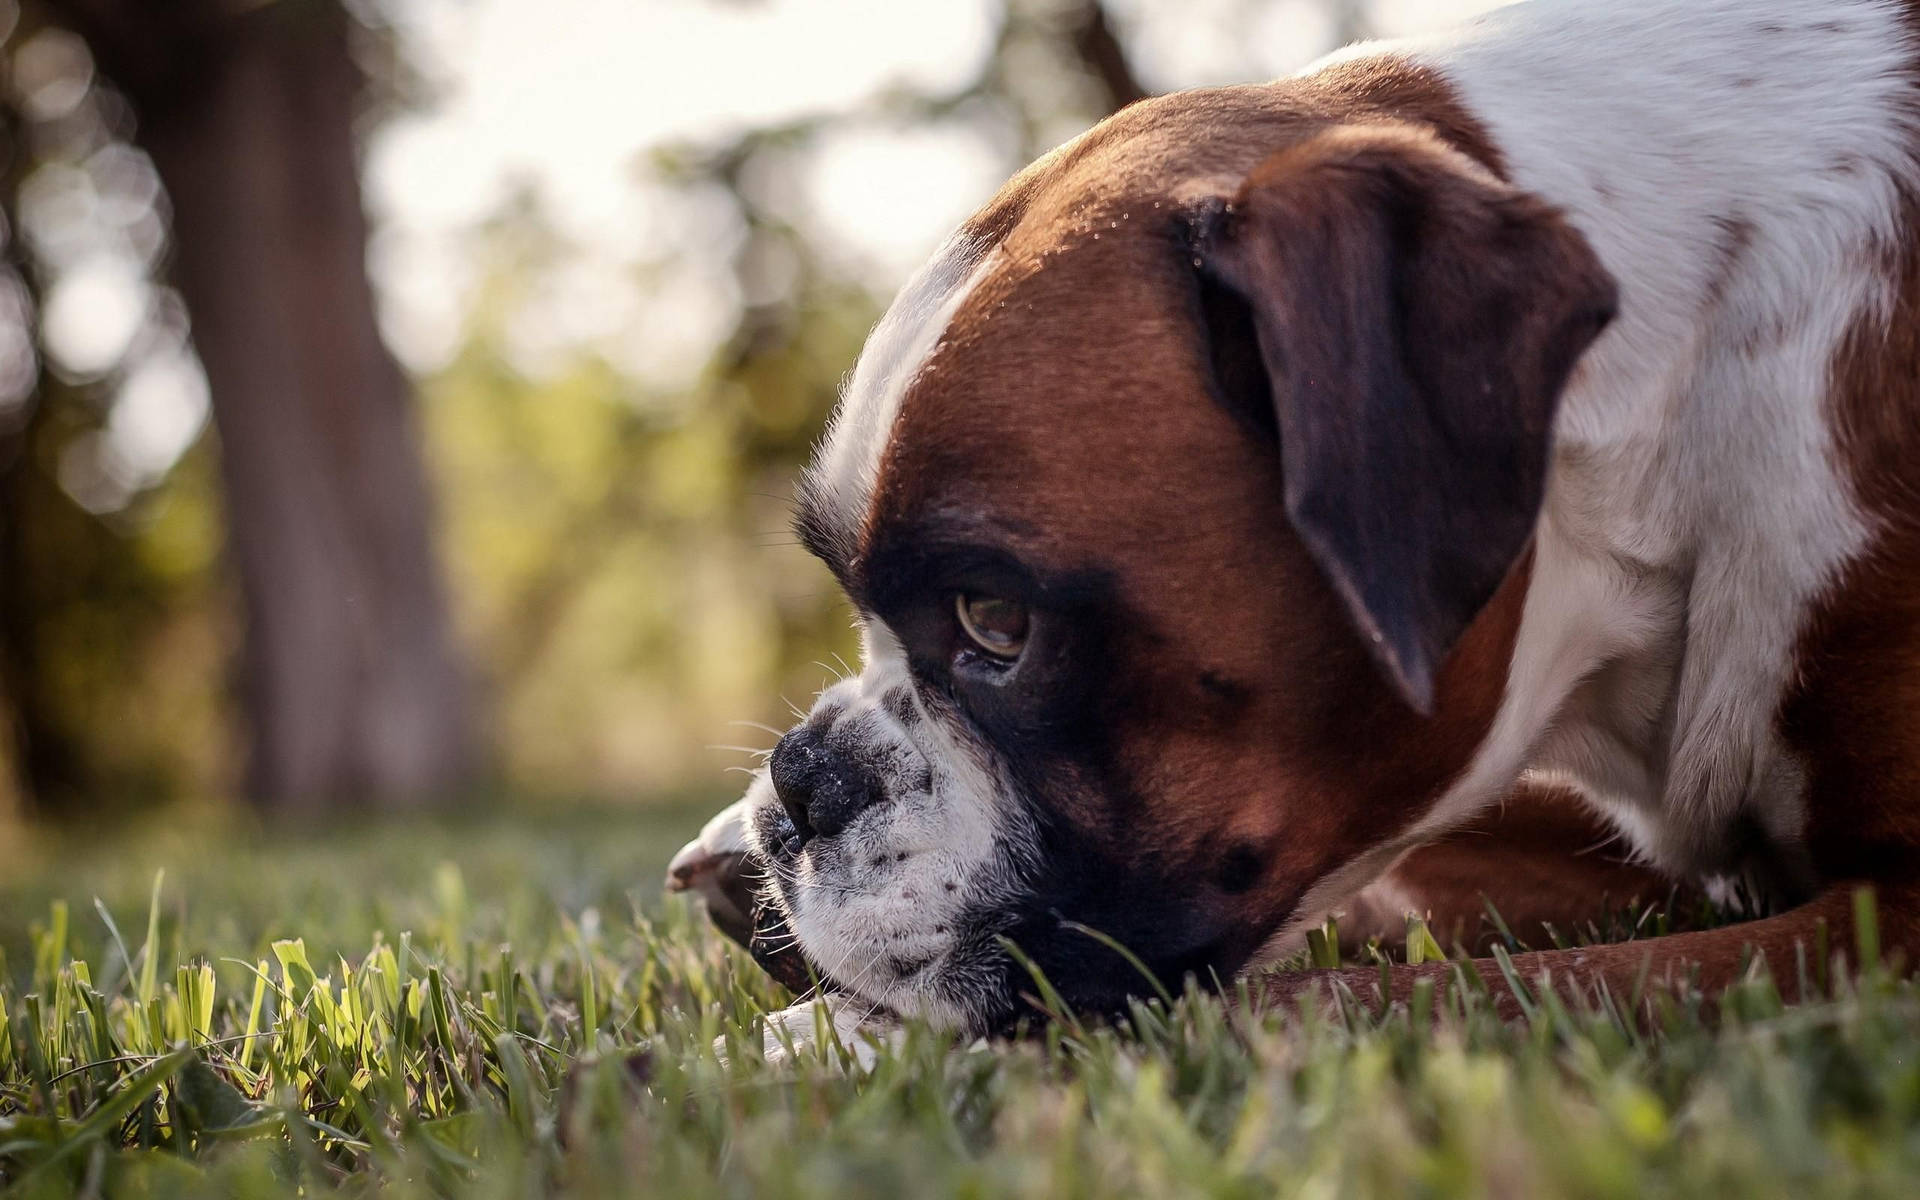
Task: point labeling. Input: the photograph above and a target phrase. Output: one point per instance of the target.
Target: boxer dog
(1469, 433)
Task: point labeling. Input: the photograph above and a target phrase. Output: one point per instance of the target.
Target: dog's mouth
(772, 941)
(776, 949)
(787, 865)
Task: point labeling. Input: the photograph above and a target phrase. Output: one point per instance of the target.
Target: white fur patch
(814, 1026)
(896, 883)
(826, 1024)
(847, 467)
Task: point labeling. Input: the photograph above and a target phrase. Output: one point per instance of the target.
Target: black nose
(821, 788)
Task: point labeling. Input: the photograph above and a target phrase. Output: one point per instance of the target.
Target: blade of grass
(1133, 960)
(150, 953)
(1052, 1003)
(143, 1086)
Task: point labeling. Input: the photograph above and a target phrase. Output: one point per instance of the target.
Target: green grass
(398, 1010)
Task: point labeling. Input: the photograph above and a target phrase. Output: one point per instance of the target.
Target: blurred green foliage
(620, 557)
(616, 538)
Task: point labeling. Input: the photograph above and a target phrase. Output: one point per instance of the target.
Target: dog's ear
(1413, 320)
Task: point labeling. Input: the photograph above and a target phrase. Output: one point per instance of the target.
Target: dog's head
(1184, 499)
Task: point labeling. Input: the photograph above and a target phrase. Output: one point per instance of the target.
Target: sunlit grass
(526, 1016)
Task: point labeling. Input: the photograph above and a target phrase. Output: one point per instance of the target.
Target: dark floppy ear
(1416, 319)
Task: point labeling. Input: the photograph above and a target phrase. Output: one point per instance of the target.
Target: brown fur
(1853, 716)
(1709, 960)
(1539, 861)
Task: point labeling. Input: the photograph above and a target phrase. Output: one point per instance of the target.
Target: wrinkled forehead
(1045, 397)
(1056, 398)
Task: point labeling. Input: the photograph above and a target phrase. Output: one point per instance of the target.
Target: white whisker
(762, 728)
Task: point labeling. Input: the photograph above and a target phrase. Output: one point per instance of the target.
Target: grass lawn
(397, 1009)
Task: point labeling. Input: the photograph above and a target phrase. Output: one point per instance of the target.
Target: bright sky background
(569, 94)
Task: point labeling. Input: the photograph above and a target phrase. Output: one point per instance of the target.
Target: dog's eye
(993, 623)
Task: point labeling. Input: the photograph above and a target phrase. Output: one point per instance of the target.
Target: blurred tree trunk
(44, 762)
(349, 678)
(1099, 48)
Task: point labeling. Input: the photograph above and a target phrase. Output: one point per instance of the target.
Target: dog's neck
(1738, 167)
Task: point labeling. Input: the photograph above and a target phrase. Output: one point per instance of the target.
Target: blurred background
(400, 399)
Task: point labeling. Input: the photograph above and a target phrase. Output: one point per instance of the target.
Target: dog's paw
(831, 1028)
